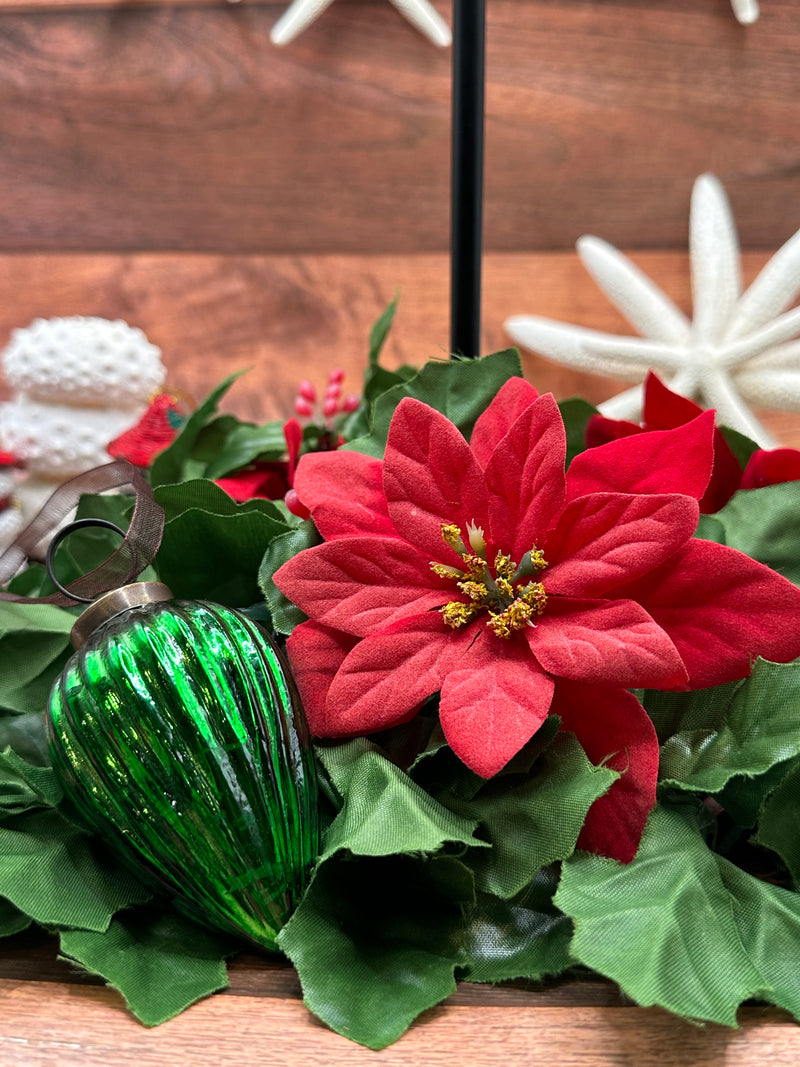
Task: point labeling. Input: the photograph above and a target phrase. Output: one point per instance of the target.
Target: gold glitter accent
(476, 591)
(457, 614)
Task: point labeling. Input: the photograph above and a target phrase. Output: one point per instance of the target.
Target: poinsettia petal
(391, 672)
(359, 583)
(525, 478)
(771, 467)
(663, 409)
(722, 609)
(494, 423)
(605, 539)
(344, 493)
(315, 655)
(431, 478)
(490, 709)
(659, 461)
(600, 430)
(604, 642)
(613, 728)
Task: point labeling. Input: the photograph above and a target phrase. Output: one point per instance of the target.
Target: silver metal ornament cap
(114, 603)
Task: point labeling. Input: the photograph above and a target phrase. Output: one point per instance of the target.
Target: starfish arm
(627, 405)
(776, 389)
(784, 357)
(297, 17)
(642, 303)
(714, 256)
(629, 352)
(424, 17)
(573, 346)
(720, 392)
(746, 11)
(771, 293)
(779, 331)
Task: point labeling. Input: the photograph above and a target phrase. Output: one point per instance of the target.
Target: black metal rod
(466, 215)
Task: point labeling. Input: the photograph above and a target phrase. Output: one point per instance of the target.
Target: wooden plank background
(180, 127)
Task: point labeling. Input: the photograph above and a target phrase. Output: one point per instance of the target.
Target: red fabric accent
(152, 433)
(722, 609)
(605, 539)
(494, 423)
(316, 653)
(659, 461)
(430, 478)
(344, 493)
(614, 729)
(525, 478)
(491, 708)
(265, 480)
(605, 642)
(771, 468)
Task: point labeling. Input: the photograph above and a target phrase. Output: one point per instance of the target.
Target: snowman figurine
(77, 384)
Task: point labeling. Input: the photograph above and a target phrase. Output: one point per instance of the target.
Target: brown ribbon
(124, 566)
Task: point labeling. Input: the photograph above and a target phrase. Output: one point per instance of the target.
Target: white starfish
(420, 13)
(746, 11)
(734, 352)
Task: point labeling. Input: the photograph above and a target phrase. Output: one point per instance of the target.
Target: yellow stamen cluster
(510, 606)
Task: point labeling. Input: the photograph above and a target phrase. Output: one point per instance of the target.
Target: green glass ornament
(178, 737)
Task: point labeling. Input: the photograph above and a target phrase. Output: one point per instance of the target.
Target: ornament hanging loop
(52, 548)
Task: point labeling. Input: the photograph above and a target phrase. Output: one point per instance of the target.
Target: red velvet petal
(612, 723)
(771, 468)
(357, 584)
(722, 609)
(315, 655)
(525, 478)
(344, 492)
(604, 642)
(662, 461)
(389, 674)
(491, 708)
(663, 409)
(605, 539)
(495, 422)
(600, 430)
(430, 477)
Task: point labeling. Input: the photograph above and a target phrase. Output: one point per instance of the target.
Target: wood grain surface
(180, 127)
(54, 1015)
(288, 317)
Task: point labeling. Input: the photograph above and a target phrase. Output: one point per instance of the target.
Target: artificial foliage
(623, 798)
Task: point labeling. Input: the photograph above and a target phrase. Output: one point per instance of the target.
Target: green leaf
(27, 736)
(169, 465)
(525, 937)
(779, 825)
(377, 940)
(58, 876)
(383, 811)
(34, 645)
(763, 524)
(533, 820)
(246, 444)
(12, 920)
(23, 786)
(212, 547)
(743, 727)
(460, 389)
(768, 921)
(380, 330)
(576, 412)
(741, 446)
(158, 960)
(285, 615)
(743, 796)
(663, 926)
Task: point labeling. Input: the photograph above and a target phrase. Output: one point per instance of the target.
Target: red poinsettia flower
(483, 572)
(664, 410)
